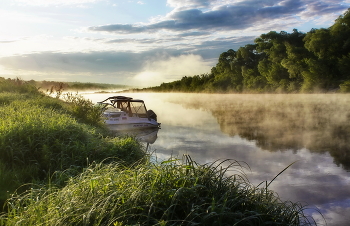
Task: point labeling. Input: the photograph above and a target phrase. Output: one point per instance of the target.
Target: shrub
(83, 109)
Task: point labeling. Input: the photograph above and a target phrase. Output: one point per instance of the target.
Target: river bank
(76, 174)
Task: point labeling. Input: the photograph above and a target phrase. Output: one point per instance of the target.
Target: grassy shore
(58, 166)
(40, 135)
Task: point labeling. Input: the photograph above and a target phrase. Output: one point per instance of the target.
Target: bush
(83, 109)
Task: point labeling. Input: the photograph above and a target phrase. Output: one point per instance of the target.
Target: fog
(168, 69)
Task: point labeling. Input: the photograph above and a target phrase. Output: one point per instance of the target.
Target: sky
(141, 42)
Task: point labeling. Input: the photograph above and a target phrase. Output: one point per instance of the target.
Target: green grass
(40, 135)
(32, 135)
(168, 193)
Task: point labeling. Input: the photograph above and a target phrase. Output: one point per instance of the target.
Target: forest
(316, 61)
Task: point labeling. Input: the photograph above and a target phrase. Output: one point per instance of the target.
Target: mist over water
(267, 132)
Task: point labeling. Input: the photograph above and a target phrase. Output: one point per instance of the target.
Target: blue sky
(141, 43)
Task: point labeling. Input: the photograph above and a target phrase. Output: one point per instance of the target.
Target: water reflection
(268, 132)
(320, 123)
(148, 135)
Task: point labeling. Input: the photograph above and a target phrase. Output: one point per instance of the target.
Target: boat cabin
(128, 105)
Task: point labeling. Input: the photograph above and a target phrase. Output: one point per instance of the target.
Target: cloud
(324, 8)
(197, 43)
(170, 69)
(235, 15)
(189, 3)
(335, 215)
(55, 2)
(121, 28)
(96, 62)
(7, 41)
(145, 68)
(194, 34)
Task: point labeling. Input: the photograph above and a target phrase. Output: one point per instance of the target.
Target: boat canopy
(128, 105)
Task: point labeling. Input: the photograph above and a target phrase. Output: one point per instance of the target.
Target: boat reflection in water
(148, 136)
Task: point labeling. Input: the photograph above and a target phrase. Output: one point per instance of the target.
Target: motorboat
(125, 113)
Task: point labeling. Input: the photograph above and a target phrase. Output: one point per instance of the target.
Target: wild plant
(83, 109)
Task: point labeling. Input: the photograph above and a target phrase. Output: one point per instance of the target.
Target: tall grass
(40, 135)
(33, 135)
(168, 193)
(74, 104)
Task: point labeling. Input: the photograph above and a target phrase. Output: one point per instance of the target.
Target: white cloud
(55, 2)
(335, 215)
(170, 69)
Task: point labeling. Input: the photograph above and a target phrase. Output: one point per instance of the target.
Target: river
(266, 133)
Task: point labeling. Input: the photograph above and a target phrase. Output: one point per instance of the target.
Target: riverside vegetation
(68, 171)
(40, 135)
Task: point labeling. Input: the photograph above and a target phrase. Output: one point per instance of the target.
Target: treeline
(280, 62)
(75, 86)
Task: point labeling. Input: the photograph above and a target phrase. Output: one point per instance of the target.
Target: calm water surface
(268, 132)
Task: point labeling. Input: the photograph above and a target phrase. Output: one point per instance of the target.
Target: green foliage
(279, 62)
(83, 109)
(168, 193)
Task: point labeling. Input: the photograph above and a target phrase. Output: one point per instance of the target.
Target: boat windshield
(133, 107)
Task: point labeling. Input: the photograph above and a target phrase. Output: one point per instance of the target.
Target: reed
(174, 192)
